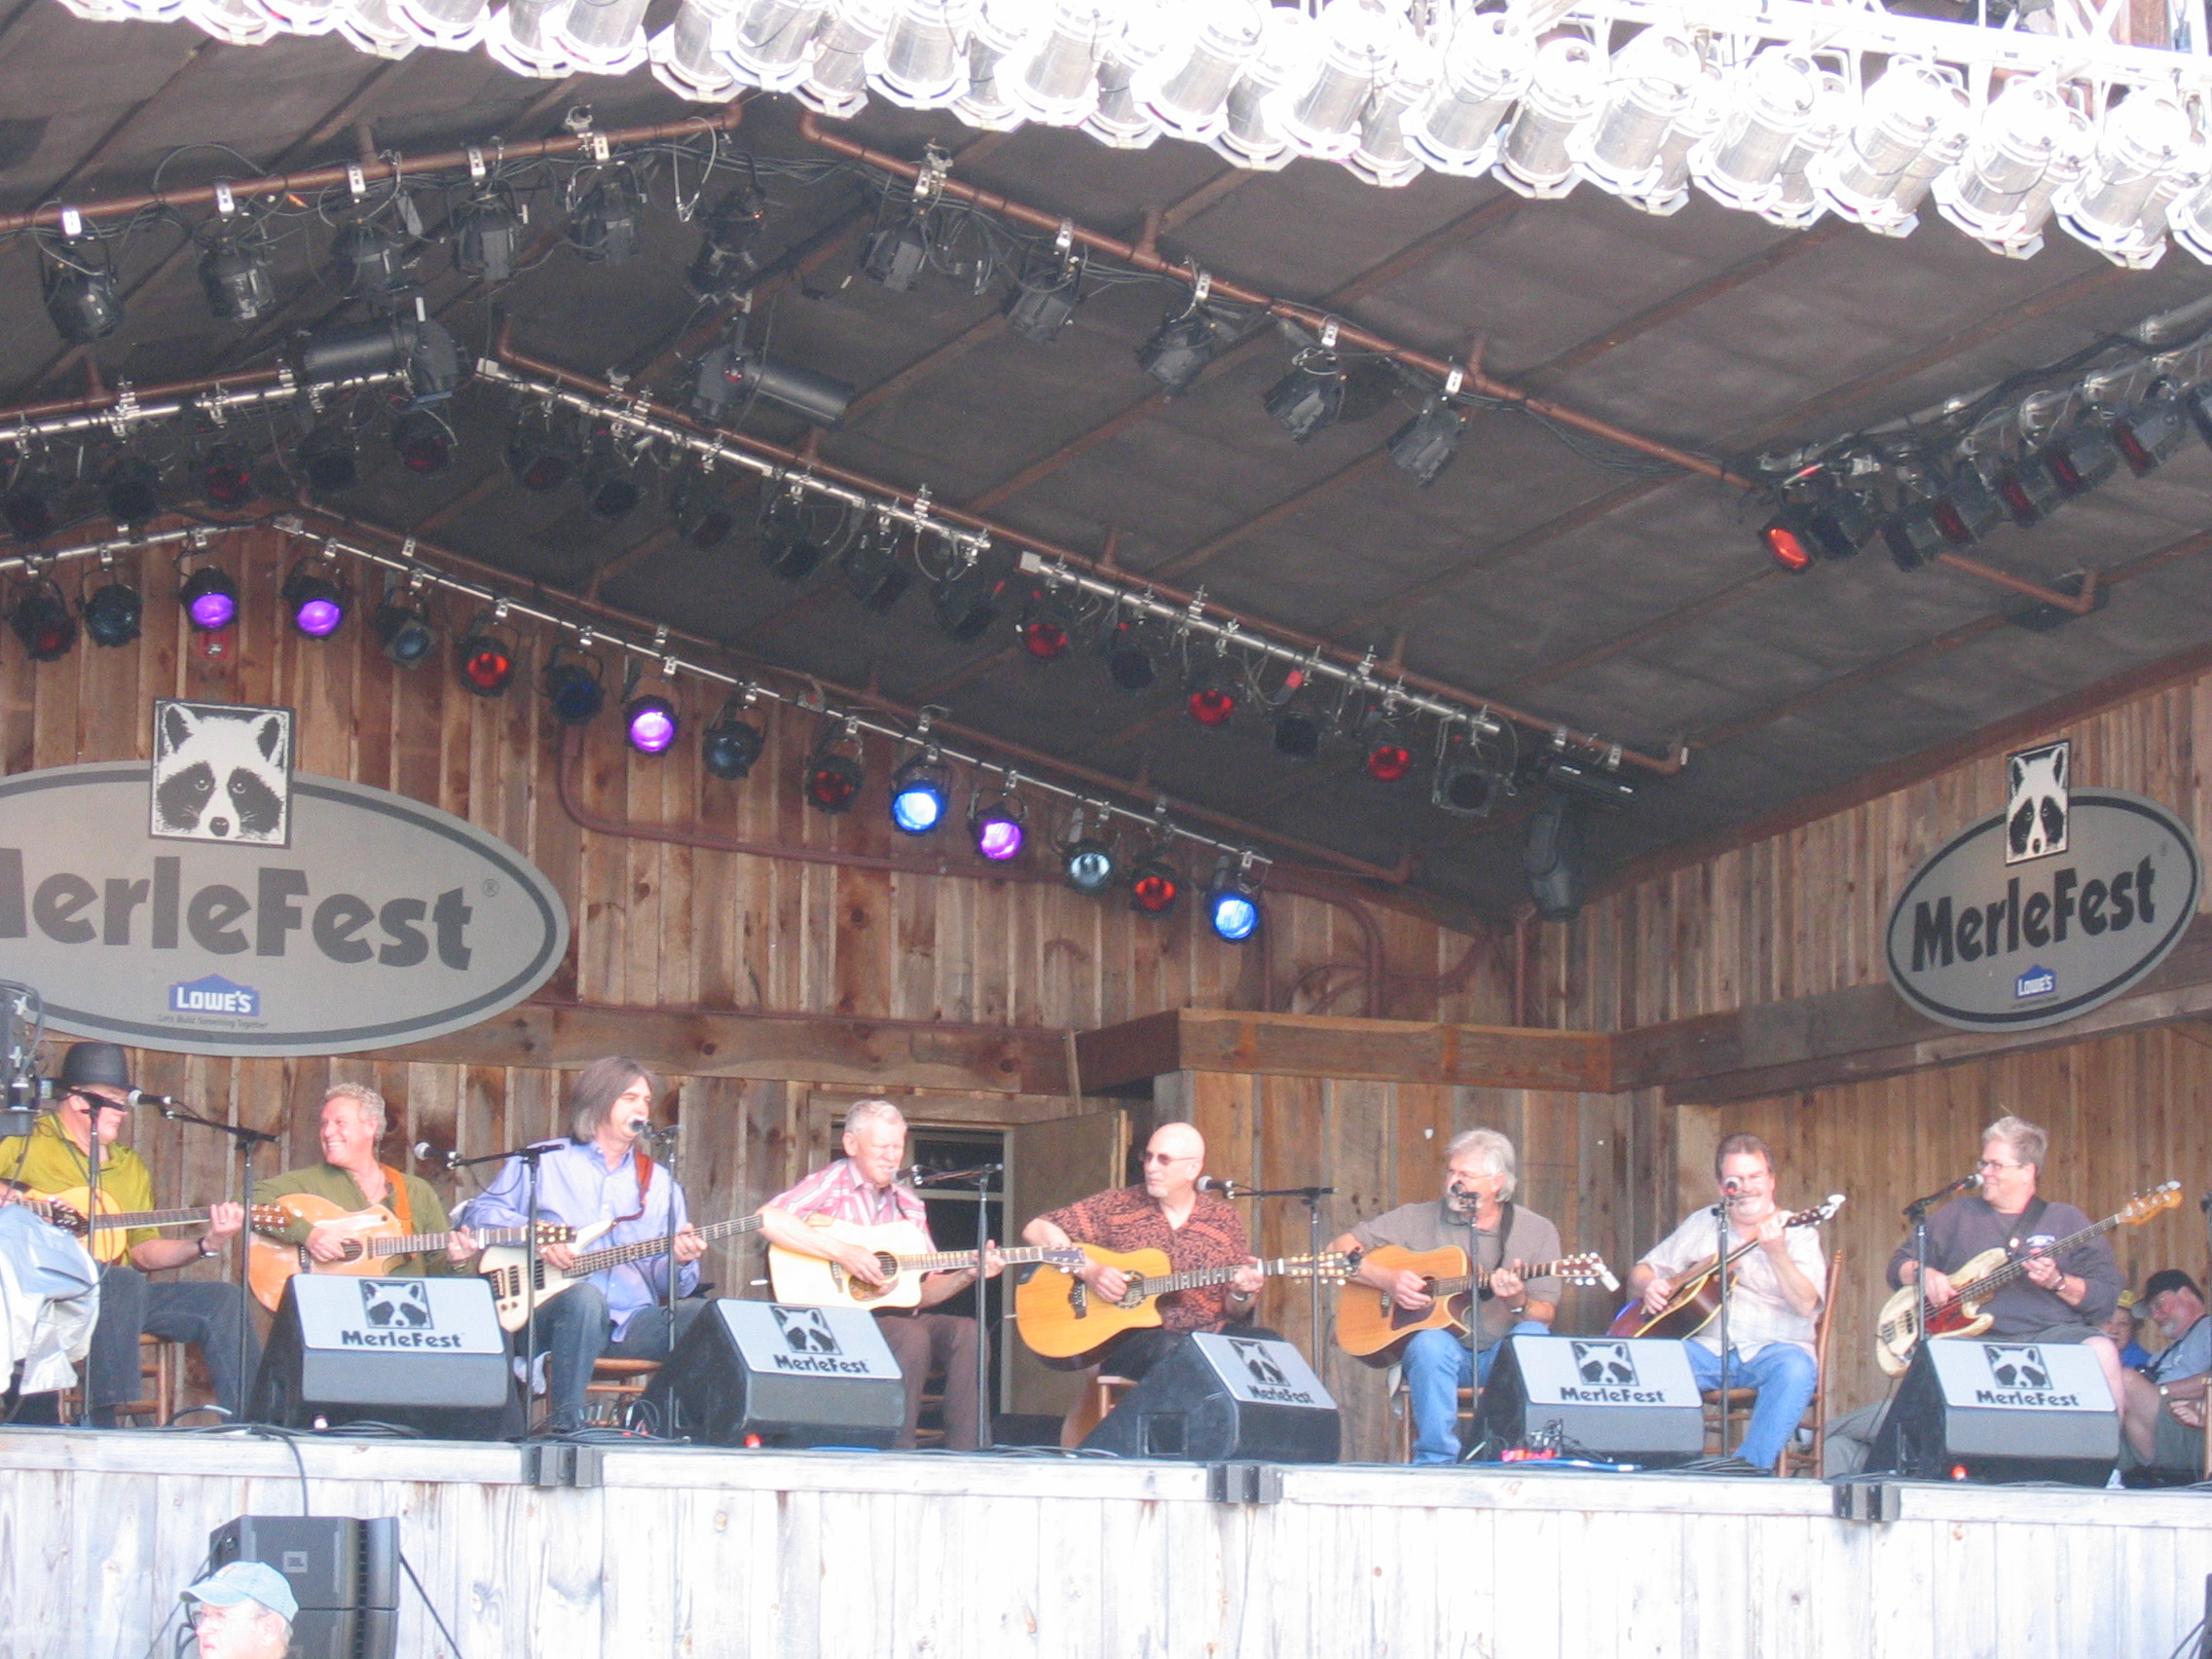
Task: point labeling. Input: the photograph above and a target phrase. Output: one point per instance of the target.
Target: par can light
(485, 661)
(41, 619)
(317, 604)
(1233, 902)
(572, 686)
(731, 747)
(832, 781)
(210, 599)
(403, 626)
(112, 613)
(650, 724)
(920, 792)
(1154, 886)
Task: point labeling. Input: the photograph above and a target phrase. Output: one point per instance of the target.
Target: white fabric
(1758, 1313)
(50, 1300)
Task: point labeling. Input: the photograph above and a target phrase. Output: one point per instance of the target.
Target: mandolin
(1697, 1291)
(507, 1266)
(1371, 1324)
(105, 1237)
(375, 1242)
(1898, 1331)
(1061, 1318)
(901, 1251)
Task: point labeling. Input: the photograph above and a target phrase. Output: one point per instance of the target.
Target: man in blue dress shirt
(601, 1173)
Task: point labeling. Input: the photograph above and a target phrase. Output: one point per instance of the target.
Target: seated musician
(1166, 1213)
(1479, 1179)
(1773, 1295)
(2162, 1413)
(351, 1123)
(864, 1188)
(209, 1314)
(601, 1173)
(2062, 1300)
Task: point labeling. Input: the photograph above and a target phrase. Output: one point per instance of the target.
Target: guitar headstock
(2144, 1205)
(54, 1213)
(267, 1218)
(555, 1232)
(1587, 1269)
(1335, 1264)
(1068, 1258)
(1819, 1213)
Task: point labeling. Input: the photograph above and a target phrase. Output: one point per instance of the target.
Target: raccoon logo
(396, 1303)
(806, 1330)
(2017, 1367)
(222, 773)
(1606, 1364)
(2035, 812)
(1260, 1363)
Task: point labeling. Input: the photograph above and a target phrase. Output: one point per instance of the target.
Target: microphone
(660, 1132)
(139, 1097)
(1731, 1187)
(910, 1174)
(1221, 1184)
(429, 1154)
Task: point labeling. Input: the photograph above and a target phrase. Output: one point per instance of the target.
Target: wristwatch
(206, 1254)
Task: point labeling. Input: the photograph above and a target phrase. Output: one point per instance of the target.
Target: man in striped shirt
(864, 1188)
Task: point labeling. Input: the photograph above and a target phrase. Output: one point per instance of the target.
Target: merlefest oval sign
(2047, 910)
(372, 920)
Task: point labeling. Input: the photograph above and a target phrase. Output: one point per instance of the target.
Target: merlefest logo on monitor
(218, 903)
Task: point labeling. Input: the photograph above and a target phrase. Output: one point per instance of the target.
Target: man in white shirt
(1773, 1295)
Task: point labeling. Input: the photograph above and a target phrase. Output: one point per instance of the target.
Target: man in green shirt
(54, 1158)
(353, 1123)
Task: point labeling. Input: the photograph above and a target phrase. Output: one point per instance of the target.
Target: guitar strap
(2031, 1218)
(395, 1190)
(645, 1183)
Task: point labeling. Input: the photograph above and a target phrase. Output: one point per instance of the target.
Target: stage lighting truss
(998, 825)
(835, 767)
(1232, 899)
(42, 621)
(574, 682)
(732, 745)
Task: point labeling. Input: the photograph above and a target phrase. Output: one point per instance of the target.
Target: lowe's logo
(2035, 982)
(214, 994)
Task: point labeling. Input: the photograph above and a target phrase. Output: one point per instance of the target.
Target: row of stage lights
(1796, 113)
(316, 604)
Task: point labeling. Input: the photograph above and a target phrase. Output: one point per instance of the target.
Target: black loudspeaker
(344, 1574)
(1981, 1409)
(1217, 1399)
(758, 1372)
(1622, 1400)
(424, 1353)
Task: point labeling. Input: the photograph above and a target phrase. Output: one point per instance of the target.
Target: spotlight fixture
(1047, 623)
(1913, 534)
(210, 599)
(1310, 396)
(402, 625)
(1964, 507)
(1466, 782)
(226, 477)
(131, 491)
(1233, 902)
(41, 619)
(2028, 489)
(731, 377)
(27, 506)
(896, 255)
(2082, 457)
(873, 571)
(833, 777)
(1820, 519)
(78, 284)
(1181, 347)
(967, 602)
(1210, 695)
(610, 479)
(1588, 781)
(234, 272)
(649, 723)
(1155, 884)
(1132, 656)
(1425, 445)
(2148, 434)
(731, 747)
(572, 683)
(1298, 732)
(317, 603)
(112, 613)
(1551, 859)
(701, 509)
(418, 348)
(786, 547)
(423, 441)
(1389, 759)
(487, 233)
(538, 454)
(999, 826)
(920, 793)
(726, 260)
(484, 659)
(1044, 297)
(328, 460)
(1086, 862)
(367, 261)
(603, 228)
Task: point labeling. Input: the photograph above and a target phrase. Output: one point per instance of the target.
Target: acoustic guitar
(507, 1266)
(1896, 1333)
(1061, 1318)
(1696, 1300)
(1371, 1324)
(901, 1250)
(373, 1243)
(105, 1236)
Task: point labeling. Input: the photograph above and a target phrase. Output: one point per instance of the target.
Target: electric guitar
(104, 1235)
(1063, 1319)
(1697, 1292)
(1371, 1324)
(1896, 1333)
(373, 1240)
(507, 1266)
(904, 1254)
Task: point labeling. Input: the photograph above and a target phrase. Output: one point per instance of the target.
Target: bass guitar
(105, 1235)
(1896, 1333)
(1061, 1318)
(1371, 1324)
(904, 1254)
(507, 1266)
(373, 1242)
(1697, 1292)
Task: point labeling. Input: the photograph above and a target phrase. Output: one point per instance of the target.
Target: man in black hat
(54, 1158)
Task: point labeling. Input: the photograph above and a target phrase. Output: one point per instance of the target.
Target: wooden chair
(1401, 1411)
(1100, 1395)
(615, 1386)
(161, 1364)
(1792, 1460)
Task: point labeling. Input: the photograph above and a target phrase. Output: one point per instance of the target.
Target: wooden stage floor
(696, 1554)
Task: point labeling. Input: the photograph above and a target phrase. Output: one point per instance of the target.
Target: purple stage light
(650, 722)
(998, 839)
(319, 619)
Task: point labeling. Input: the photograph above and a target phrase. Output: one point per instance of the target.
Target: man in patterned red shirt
(864, 1188)
(1167, 1212)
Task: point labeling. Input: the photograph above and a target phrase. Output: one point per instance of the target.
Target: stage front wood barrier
(702, 1554)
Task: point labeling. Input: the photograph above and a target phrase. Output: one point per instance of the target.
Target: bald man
(1166, 1213)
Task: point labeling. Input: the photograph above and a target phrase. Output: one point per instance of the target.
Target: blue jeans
(1436, 1366)
(1785, 1377)
(575, 1330)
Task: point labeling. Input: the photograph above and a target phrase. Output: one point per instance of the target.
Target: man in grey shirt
(1479, 1180)
(2163, 1410)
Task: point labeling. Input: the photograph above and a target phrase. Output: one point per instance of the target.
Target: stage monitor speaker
(1623, 1400)
(785, 1377)
(423, 1353)
(1981, 1409)
(344, 1572)
(1220, 1398)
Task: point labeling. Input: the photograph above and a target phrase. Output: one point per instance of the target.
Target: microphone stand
(247, 1140)
(1916, 1212)
(980, 1178)
(1312, 1198)
(534, 1280)
(2205, 1471)
(1722, 1241)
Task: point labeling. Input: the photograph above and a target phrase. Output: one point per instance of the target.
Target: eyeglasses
(1164, 1158)
(1993, 1163)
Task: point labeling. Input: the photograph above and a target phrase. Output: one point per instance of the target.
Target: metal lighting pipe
(216, 398)
(2078, 604)
(726, 120)
(1290, 311)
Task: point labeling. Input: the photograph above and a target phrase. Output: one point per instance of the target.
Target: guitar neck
(1199, 1278)
(952, 1261)
(420, 1243)
(149, 1218)
(1998, 1278)
(615, 1255)
(1480, 1280)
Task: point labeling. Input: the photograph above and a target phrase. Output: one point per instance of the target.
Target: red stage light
(1388, 761)
(1210, 706)
(1785, 548)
